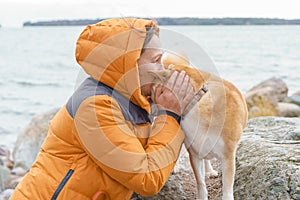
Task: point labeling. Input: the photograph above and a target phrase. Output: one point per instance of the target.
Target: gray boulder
(295, 99)
(296, 93)
(4, 177)
(173, 189)
(263, 98)
(273, 87)
(6, 194)
(29, 142)
(288, 110)
(268, 160)
(4, 170)
(5, 157)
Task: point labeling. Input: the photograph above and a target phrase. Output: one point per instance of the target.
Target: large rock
(268, 160)
(295, 99)
(4, 170)
(4, 177)
(274, 87)
(288, 110)
(6, 194)
(5, 157)
(173, 189)
(29, 142)
(296, 93)
(263, 98)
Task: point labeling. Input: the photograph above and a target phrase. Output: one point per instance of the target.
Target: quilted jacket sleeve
(108, 139)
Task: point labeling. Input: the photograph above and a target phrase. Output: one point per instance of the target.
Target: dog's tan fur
(213, 126)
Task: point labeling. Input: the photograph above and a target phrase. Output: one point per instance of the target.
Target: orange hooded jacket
(101, 144)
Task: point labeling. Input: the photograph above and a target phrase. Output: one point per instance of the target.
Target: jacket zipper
(62, 184)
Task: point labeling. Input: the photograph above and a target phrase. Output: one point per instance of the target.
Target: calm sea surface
(38, 70)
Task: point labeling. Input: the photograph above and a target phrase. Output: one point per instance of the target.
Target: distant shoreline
(178, 21)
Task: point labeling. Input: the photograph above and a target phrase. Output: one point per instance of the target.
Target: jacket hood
(108, 51)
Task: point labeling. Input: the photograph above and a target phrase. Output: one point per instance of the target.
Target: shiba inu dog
(213, 124)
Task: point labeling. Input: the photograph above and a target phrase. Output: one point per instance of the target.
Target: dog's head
(169, 61)
(177, 63)
(160, 77)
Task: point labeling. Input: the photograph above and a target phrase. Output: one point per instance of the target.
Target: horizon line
(161, 17)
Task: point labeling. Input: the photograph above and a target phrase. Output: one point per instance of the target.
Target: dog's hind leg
(228, 172)
(199, 172)
(209, 171)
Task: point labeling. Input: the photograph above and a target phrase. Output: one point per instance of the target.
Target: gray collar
(197, 96)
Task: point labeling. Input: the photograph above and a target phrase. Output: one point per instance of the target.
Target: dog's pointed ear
(161, 75)
(170, 67)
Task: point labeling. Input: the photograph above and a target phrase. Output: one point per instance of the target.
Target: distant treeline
(179, 21)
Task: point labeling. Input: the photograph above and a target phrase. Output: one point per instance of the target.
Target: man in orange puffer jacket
(102, 143)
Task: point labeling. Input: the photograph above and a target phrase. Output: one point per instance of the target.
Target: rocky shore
(270, 98)
(268, 156)
(268, 165)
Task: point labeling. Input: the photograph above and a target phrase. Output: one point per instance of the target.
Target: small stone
(294, 99)
(288, 110)
(277, 189)
(295, 159)
(293, 135)
(4, 177)
(277, 181)
(6, 194)
(296, 196)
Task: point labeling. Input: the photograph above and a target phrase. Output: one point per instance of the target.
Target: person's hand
(175, 95)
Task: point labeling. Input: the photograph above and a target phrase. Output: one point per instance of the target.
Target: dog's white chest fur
(200, 138)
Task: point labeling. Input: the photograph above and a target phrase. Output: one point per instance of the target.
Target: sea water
(38, 70)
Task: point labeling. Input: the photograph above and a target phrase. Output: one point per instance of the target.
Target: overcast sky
(14, 12)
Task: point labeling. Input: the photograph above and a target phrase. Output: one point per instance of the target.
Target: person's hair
(150, 32)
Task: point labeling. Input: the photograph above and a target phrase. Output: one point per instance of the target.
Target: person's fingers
(189, 95)
(178, 84)
(176, 95)
(183, 88)
(158, 91)
(172, 80)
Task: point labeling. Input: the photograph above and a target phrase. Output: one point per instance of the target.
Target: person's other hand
(176, 94)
